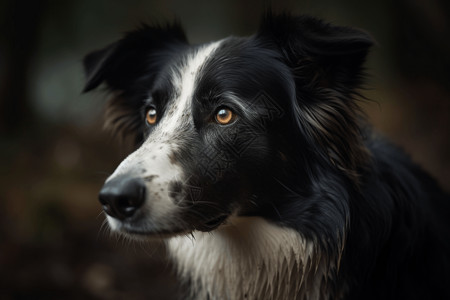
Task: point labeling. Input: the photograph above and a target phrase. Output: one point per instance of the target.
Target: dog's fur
(296, 198)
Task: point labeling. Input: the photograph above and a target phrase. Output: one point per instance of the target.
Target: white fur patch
(152, 159)
(185, 80)
(250, 258)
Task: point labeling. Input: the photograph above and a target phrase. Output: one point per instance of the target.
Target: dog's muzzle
(121, 197)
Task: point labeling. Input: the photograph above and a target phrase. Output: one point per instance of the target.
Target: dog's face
(219, 126)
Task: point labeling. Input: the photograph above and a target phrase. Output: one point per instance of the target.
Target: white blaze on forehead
(152, 159)
(156, 149)
(184, 80)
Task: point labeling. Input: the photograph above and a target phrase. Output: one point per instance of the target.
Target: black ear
(140, 53)
(334, 53)
(326, 62)
(127, 64)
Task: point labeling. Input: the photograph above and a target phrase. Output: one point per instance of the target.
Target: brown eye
(225, 116)
(151, 116)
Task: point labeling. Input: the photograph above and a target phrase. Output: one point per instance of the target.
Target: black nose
(121, 197)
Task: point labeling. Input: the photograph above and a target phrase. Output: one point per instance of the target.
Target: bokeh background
(54, 155)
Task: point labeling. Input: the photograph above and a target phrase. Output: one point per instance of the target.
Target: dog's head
(220, 127)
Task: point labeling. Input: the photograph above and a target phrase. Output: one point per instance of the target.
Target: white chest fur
(250, 258)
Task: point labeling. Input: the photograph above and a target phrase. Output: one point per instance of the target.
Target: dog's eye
(151, 116)
(225, 116)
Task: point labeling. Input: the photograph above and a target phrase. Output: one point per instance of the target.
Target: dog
(256, 166)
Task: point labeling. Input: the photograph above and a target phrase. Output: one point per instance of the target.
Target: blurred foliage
(55, 155)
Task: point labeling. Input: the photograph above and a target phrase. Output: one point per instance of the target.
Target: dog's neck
(250, 258)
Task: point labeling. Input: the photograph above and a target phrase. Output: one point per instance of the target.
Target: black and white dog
(256, 167)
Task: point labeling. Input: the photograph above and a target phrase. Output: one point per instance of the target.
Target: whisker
(204, 203)
(286, 187)
(103, 229)
(198, 214)
(102, 212)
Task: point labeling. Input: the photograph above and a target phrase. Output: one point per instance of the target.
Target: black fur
(301, 154)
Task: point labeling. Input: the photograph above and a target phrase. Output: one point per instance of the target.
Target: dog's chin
(145, 234)
(153, 235)
(140, 232)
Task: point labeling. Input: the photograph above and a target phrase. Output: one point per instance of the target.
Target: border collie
(255, 165)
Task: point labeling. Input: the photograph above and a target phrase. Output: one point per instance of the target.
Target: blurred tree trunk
(18, 40)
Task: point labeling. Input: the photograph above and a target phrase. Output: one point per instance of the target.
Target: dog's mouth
(207, 226)
(157, 234)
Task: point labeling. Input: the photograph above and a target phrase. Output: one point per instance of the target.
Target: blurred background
(54, 155)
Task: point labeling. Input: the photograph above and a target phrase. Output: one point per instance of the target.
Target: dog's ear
(335, 54)
(327, 66)
(142, 52)
(127, 65)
